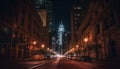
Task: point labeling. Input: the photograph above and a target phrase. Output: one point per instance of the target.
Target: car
(37, 57)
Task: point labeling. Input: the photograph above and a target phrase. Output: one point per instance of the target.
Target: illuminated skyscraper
(60, 37)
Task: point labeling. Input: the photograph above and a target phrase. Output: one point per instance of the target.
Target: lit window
(78, 8)
(75, 18)
(53, 38)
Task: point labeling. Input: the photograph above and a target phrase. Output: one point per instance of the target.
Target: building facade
(48, 6)
(101, 28)
(75, 20)
(21, 29)
(78, 12)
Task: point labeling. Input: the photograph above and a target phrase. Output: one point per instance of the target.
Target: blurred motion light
(58, 55)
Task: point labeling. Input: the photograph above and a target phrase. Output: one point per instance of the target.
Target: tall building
(101, 28)
(38, 4)
(60, 38)
(20, 26)
(48, 6)
(44, 9)
(75, 20)
(78, 13)
(66, 41)
(50, 20)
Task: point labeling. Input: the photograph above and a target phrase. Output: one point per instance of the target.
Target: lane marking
(40, 64)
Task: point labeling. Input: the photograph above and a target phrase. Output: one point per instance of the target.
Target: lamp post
(77, 46)
(48, 49)
(31, 47)
(85, 40)
(34, 42)
(43, 46)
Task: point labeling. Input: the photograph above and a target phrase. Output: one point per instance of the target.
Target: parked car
(37, 57)
(73, 58)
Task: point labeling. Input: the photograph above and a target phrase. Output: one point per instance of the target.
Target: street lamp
(48, 49)
(34, 42)
(77, 46)
(31, 47)
(85, 40)
(43, 46)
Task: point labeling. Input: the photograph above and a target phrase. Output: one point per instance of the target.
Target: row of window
(77, 14)
(77, 7)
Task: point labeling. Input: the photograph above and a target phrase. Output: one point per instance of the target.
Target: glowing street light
(82, 48)
(43, 46)
(48, 49)
(86, 39)
(34, 42)
(77, 46)
(51, 50)
(31, 47)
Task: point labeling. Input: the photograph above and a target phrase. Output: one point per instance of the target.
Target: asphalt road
(58, 63)
(63, 63)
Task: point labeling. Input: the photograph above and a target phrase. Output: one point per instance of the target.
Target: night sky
(62, 10)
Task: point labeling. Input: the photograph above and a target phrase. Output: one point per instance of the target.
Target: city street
(63, 63)
(59, 34)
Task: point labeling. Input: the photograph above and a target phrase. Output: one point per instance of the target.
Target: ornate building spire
(60, 36)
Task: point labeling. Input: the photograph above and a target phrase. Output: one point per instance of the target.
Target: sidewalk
(109, 64)
(106, 61)
(19, 63)
(11, 64)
